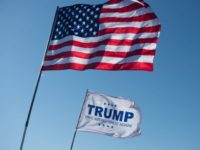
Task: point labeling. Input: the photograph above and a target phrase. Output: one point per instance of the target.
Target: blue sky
(169, 97)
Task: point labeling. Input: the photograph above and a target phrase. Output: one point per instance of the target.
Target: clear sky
(169, 97)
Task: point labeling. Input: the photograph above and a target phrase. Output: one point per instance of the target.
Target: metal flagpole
(78, 121)
(37, 84)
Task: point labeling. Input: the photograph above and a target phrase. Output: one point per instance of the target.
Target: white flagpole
(78, 121)
(37, 84)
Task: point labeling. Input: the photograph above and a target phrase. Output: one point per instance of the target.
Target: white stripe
(148, 23)
(128, 36)
(119, 5)
(137, 1)
(110, 60)
(147, 46)
(134, 13)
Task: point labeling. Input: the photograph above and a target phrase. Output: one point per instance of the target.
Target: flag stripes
(115, 49)
(138, 12)
(128, 19)
(148, 23)
(100, 53)
(127, 38)
(131, 7)
(101, 66)
(135, 30)
(114, 2)
(114, 42)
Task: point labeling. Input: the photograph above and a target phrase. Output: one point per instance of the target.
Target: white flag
(108, 115)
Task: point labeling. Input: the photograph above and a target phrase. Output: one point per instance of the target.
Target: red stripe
(100, 53)
(125, 30)
(102, 66)
(128, 8)
(146, 17)
(104, 42)
(114, 1)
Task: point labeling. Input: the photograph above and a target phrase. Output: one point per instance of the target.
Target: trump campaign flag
(117, 35)
(113, 116)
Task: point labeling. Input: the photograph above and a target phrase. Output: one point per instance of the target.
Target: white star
(91, 21)
(75, 22)
(94, 33)
(87, 18)
(96, 16)
(92, 13)
(78, 26)
(82, 30)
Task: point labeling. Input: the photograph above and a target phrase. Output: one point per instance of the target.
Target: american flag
(117, 35)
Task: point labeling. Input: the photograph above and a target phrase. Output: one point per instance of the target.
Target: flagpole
(78, 122)
(37, 84)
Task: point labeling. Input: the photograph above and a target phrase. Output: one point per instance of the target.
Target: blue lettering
(98, 111)
(117, 115)
(106, 115)
(90, 108)
(110, 113)
(128, 115)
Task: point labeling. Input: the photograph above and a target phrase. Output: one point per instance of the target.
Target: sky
(169, 97)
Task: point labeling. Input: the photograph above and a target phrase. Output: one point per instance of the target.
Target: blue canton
(80, 20)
